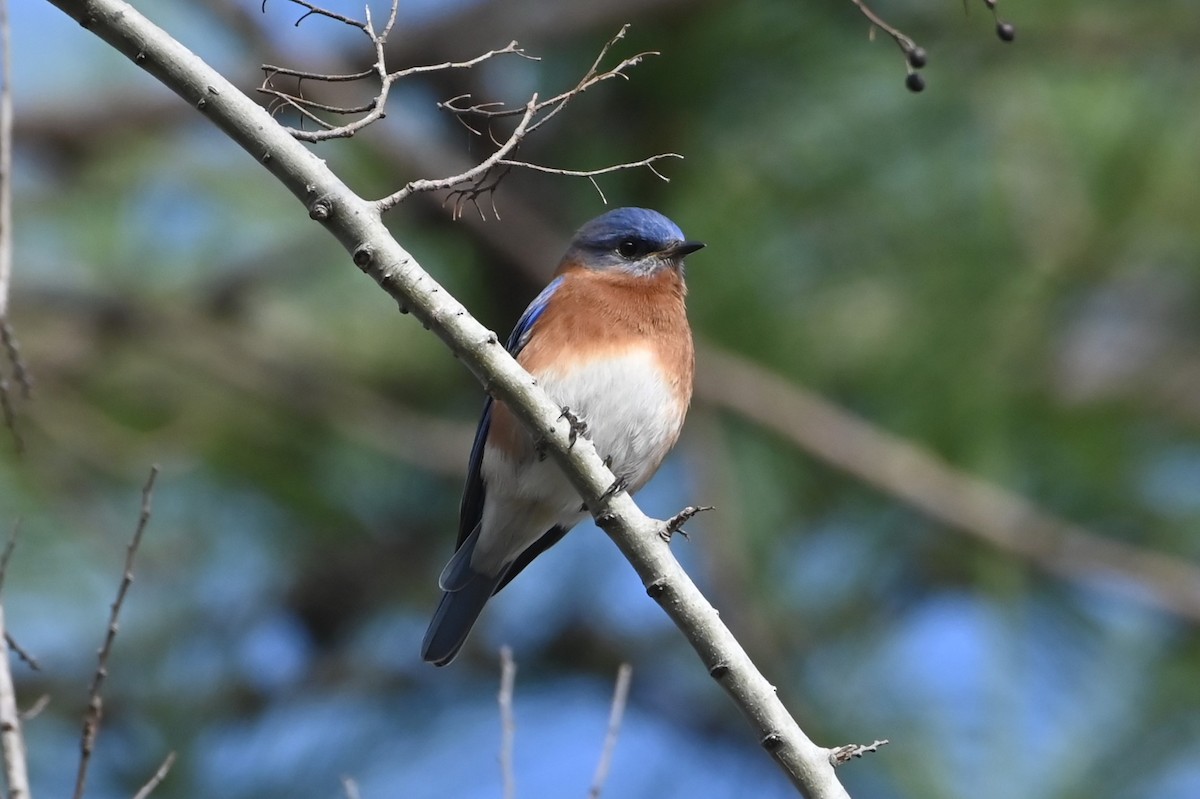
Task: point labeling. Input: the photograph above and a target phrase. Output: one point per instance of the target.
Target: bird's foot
(578, 426)
(619, 485)
(675, 524)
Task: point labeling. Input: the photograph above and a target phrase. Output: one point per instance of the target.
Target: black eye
(628, 248)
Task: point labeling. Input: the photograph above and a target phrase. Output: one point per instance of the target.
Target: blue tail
(466, 592)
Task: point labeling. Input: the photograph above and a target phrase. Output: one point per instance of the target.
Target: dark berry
(1006, 31)
(915, 82)
(917, 57)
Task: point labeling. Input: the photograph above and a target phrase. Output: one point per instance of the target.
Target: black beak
(679, 249)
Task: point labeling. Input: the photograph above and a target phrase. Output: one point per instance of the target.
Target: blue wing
(471, 509)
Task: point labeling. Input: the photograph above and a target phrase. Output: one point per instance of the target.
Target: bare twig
(509, 49)
(913, 54)
(615, 716)
(157, 778)
(94, 713)
(482, 179)
(475, 173)
(508, 725)
(21, 652)
(6, 114)
(12, 742)
(36, 708)
(10, 545)
(5, 556)
(591, 77)
(11, 352)
(9, 414)
(372, 111)
(844, 754)
(314, 10)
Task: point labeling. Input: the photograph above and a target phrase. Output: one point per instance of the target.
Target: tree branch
(11, 354)
(965, 503)
(358, 225)
(12, 741)
(615, 715)
(95, 707)
(508, 724)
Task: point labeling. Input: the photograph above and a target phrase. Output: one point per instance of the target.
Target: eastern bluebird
(608, 339)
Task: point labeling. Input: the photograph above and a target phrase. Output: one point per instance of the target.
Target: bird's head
(634, 240)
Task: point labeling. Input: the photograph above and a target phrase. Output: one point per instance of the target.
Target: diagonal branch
(965, 503)
(358, 225)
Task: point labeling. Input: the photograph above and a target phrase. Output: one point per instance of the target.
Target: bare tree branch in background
(915, 56)
(615, 715)
(12, 740)
(357, 223)
(95, 705)
(508, 724)
(963, 502)
(480, 180)
(156, 778)
(10, 359)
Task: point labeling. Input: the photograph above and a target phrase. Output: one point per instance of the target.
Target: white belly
(632, 416)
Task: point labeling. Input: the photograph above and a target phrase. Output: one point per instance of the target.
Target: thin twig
(11, 544)
(6, 114)
(12, 742)
(92, 717)
(478, 171)
(906, 45)
(36, 708)
(5, 556)
(844, 754)
(508, 726)
(510, 48)
(9, 414)
(616, 714)
(287, 72)
(21, 652)
(315, 10)
(12, 354)
(300, 103)
(157, 778)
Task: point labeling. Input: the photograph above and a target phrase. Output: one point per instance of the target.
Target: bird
(609, 341)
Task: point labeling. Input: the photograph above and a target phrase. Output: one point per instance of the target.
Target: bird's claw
(619, 485)
(578, 426)
(675, 524)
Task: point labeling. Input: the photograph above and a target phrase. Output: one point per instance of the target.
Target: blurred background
(948, 406)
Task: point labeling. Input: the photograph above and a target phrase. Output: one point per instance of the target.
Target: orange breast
(597, 314)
